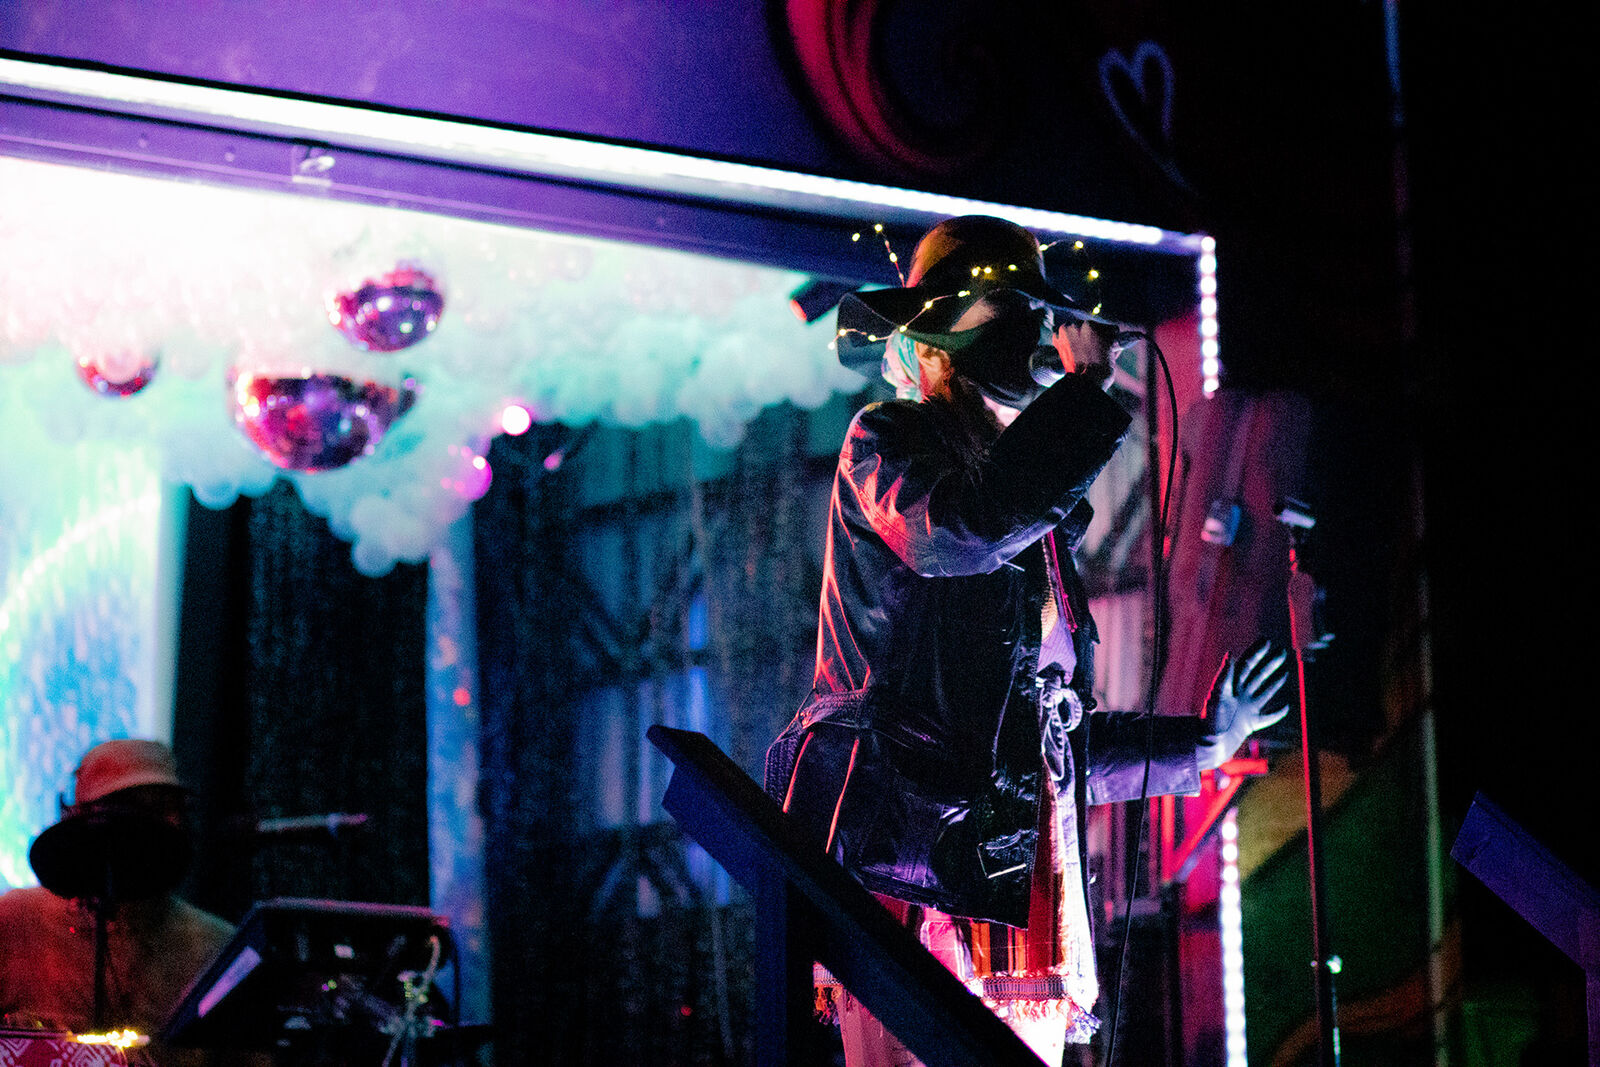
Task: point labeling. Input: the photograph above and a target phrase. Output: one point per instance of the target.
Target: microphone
(330, 823)
(1045, 368)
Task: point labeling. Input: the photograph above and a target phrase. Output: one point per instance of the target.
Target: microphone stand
(1303, 636)
(102, 906)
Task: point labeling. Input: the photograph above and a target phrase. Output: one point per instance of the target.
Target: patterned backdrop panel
(18, 1050)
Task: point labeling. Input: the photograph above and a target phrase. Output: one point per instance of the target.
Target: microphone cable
(1158, 578)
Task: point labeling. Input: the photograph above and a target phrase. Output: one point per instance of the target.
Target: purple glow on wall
(629, 70)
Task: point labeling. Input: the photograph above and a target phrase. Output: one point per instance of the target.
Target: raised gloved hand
(1237, 705)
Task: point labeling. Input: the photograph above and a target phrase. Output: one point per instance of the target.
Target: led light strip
(1232, 917)
(546, 155)
(1210, 348)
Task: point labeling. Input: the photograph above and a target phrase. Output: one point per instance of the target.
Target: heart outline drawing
(1147, 56)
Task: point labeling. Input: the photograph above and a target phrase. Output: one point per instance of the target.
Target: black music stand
(1540, 888)
(808, 908)
(307, 973)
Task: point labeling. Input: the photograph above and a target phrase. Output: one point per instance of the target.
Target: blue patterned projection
(82, 653)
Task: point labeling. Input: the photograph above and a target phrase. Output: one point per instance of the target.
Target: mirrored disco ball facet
(317, 422)
(117, 374)
(390, 312)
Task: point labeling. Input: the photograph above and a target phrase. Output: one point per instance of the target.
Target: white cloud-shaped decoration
(211, 280)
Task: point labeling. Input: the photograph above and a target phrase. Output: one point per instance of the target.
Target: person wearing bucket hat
(951, 740)
(116, 856)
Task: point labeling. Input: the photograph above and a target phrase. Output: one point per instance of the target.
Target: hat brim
(900, 306)
(132, 855)
(867, 318)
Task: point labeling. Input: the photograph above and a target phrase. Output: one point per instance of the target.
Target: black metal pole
(100, 947)
(102, 908)
(1302, 592)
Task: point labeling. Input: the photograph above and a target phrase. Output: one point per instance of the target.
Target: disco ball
(390, 312)
(117, 374)
(316, 422)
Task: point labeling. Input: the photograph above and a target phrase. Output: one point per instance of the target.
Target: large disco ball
(390, 312)
(118, 373)
(316, 422)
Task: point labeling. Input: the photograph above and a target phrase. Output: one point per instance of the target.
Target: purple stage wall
(696, 76)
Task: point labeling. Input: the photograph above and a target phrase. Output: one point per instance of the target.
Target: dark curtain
(300, 691)
(639, 561)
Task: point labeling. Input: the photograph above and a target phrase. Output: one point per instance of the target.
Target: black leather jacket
(916, 761)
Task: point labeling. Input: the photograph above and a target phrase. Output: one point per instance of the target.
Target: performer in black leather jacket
(945, 751)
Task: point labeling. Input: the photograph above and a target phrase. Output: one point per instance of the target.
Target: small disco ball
(316, 422)
(390, 312)
(119, 373)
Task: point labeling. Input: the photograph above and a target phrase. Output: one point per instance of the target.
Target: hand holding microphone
(1078, 347)
(1085, 348)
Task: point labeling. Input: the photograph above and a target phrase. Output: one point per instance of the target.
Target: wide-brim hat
(102, 846)
(961, 262)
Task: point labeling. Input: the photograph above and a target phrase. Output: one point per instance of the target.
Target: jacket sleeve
(941, 519)
(1117, 744)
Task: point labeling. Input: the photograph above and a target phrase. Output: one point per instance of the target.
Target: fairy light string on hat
(894, 260)
(984, 274)
(1091, 275)
(877, 228)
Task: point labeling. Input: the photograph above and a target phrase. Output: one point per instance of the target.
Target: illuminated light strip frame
(531, 153)
(1210, 347)
(1231, 917)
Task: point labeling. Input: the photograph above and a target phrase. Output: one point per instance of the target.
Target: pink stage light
(516, 420)
(468, 476)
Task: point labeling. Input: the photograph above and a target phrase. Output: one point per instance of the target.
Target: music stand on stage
(309, 973)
